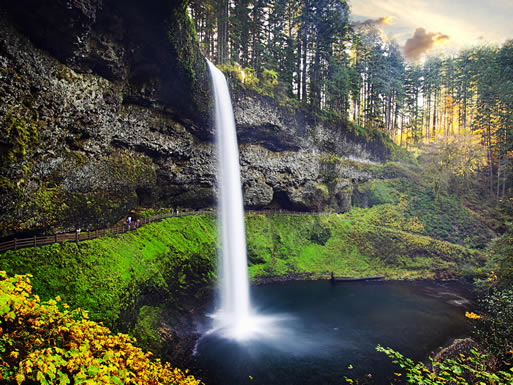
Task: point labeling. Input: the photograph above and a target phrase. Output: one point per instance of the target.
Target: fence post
(55, 238)
(35, 242)
(15, 245)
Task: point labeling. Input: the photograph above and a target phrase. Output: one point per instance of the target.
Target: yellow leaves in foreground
(472, 315)
(41, 343)
(493, 278)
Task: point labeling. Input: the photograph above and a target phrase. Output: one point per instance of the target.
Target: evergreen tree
(307, 50)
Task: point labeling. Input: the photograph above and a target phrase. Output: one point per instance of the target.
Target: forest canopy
(313, 53)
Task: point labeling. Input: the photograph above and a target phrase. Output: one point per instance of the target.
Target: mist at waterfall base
(330, 327)
(235, 319)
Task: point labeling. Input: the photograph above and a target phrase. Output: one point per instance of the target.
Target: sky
(437, 26)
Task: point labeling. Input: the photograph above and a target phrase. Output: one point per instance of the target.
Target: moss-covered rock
(88, 137)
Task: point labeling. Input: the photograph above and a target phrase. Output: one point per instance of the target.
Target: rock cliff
(292, 160)
(105, 107)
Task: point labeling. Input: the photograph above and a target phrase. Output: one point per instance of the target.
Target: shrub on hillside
(462, 370)
(501, 259)
(495, 326)
(46, 343)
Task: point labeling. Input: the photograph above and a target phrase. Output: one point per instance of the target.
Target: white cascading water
(235, 319)
(234, 315)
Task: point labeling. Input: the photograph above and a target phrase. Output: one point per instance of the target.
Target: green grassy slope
(161, 262)
(358, 243)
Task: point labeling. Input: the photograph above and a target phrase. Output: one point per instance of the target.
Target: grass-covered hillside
(421, 218)
(362, 242)
(129, 280)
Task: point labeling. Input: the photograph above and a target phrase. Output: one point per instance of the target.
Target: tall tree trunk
(427, 112)
(394, 126)
(315, 79)
(416, 119)
(298, 69)
(499, 176)
(465, 102)
(490, 159)
(354, 111)
(255, 49)
(504, 174)
(388, 113)
(208, 38)
(362, 104)
(366, 101)
(434, 115)
(402, 131)
(222, 32)
(305, 65)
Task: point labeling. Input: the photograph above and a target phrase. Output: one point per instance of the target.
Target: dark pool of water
(324, 328)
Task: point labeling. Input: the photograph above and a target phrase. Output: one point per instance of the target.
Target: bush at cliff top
(46, 343)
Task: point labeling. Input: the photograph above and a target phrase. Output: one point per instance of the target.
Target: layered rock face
(291, 160)
(105, 107)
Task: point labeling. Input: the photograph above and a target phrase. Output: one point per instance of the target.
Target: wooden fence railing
(41, 240)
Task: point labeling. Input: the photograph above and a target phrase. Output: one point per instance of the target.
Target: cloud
(385, 20)
(463, 21)
(421, 42)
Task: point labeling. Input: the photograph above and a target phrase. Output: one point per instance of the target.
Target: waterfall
(235, 319)
(234, 315)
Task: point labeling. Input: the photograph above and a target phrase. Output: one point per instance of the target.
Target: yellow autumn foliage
(472, 315)
(41, 343)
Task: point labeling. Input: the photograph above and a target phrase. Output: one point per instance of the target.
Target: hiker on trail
(137, 224)
(78, 233)
(129, 222)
